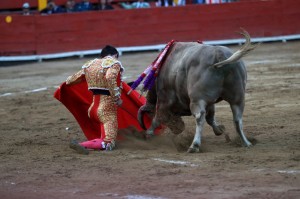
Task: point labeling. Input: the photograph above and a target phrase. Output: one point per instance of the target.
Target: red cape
(77, 99)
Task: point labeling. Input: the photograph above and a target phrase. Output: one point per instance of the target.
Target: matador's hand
(119, 102)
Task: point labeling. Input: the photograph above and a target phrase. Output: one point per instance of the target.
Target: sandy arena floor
(36, 161)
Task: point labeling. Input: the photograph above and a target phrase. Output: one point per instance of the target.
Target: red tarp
(77, 99)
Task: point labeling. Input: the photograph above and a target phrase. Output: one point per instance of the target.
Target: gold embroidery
(88, 63)
(108, 62)
(103, 74)
(111, 77)
(107, 114)
(76, 78)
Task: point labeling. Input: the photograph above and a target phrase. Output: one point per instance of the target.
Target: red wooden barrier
(16, 4)
(92, 30)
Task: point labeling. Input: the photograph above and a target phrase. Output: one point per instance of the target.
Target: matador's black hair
(109, 50)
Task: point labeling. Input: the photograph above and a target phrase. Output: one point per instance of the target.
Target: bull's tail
(245, 49)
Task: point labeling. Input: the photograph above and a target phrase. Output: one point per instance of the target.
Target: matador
(103, 77)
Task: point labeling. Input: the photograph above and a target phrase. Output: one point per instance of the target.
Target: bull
(192, 79)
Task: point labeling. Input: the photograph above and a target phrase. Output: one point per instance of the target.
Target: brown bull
(192, 79)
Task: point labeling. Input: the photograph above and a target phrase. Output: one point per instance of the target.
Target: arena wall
(48, 34)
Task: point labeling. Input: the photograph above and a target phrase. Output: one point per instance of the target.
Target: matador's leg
(93, 115)
(107, 114)
(111, 129)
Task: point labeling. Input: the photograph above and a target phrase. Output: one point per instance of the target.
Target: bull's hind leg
(199, 111)
(210, 119)
(176, 124)
(237, 111)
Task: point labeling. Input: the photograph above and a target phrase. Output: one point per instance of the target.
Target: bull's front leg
(199, 111)
(154, 124)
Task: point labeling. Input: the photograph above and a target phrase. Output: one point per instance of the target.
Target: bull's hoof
(247, 144)
(227, 138)
(243, 143)
(193, 150)
(219, 130)
(148, 136)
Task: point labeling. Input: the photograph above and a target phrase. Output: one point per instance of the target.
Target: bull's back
(187, 73)
(187, 63)
(173, 76)
(182, 55)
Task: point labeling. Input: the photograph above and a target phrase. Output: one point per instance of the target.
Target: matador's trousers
(103, 110)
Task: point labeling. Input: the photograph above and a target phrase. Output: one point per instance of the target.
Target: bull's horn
(128, 93)
(245, 49)
(147, 108)
(141, 116)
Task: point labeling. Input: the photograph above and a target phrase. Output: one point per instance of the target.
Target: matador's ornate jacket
(103, 77)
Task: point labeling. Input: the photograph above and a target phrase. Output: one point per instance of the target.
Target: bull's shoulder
(186, 55)
(183, 46)
(185, 50)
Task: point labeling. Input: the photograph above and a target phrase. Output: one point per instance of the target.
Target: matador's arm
(76, 78)
(111, 75)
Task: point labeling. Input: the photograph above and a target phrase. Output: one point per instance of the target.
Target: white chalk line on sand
(37, 90)
(288, 171)
(141, 197)
(176, 162)
(114, 195)
(29, 91)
